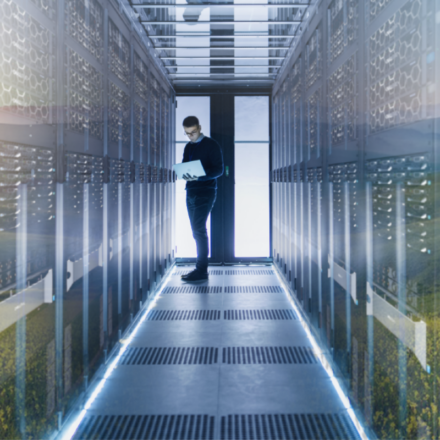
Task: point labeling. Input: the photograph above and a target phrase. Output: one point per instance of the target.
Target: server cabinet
(362, 139)
(80, 202)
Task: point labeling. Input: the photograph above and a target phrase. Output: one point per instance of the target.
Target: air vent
(170, 356)
(259, 315)
(268, 355)
(211, 272)
(253, 289)
(287, 426)
(183, 315)
(143, 427)
(193, 289)
(250, 272)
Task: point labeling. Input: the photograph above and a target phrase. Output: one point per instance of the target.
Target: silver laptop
(193, 168)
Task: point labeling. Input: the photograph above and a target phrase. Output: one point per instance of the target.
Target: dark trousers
(199, 205)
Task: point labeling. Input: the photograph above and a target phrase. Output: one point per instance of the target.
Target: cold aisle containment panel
(88, 92)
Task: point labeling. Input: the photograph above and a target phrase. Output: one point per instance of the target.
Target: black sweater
(208, 151)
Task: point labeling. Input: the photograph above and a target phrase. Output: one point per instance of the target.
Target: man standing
(201, 192)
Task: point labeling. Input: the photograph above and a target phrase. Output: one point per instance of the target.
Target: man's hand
(188, 178)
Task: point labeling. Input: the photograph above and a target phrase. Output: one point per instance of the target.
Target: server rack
(86, 197)
(358, 182)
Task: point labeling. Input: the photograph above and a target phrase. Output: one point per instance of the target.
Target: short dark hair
(190, 121)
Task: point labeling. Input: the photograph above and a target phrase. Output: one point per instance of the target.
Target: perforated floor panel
(154, 427)
(222, 359)
(287, 426)
(259, 314)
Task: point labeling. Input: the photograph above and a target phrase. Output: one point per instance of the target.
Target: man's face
(193, 132)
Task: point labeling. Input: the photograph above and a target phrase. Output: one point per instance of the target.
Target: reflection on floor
(224, 359)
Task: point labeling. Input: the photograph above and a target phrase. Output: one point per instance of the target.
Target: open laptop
(193, 168)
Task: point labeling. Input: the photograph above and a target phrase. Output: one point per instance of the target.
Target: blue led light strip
(69, 431)
(324, 362)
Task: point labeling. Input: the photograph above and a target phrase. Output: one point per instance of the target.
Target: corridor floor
(223, 359)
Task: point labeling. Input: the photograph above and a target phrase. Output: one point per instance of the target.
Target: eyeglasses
(191, 134)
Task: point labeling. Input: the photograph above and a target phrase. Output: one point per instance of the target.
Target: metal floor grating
(232, 427)
(250, 272)
(268, 355)
(231, 272)
(253, 289)
(147, 427)
(259, 315)
(170, 356)
(287, 426)
(183, 315)
(218, 289)
(210, 272)
(193, 289)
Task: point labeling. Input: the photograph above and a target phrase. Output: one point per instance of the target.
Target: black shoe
(186, 274)
(195, 275)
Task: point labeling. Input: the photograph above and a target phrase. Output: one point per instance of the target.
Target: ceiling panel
(223, 40)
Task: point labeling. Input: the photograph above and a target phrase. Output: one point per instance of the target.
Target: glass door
(251, 177)
(239, 224)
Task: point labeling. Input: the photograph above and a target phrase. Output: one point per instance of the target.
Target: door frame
(223, 214)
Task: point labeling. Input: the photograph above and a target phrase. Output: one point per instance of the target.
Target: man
(201, 192)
